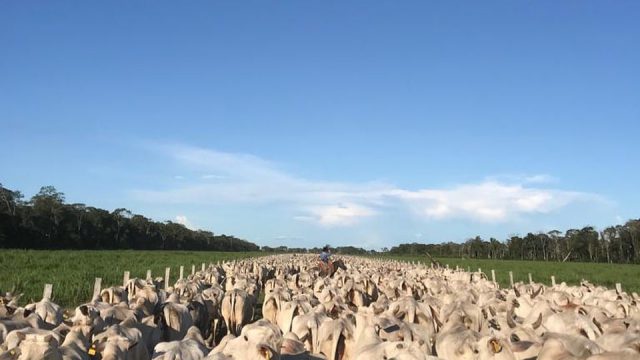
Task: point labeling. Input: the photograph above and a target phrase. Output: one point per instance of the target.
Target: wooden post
(167, 271)
(511, 278)
(181, 273)
(447, 266)
(530, 279)
(125, 278)
(493, 275)
(48, 291)
(193, 269)
(97, 287)
(553, 280)
(149, 275)
(203, 267)
(619, 288)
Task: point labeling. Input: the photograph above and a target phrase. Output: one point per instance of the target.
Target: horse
(330, 268)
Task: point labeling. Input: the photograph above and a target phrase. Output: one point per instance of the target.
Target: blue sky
(350, 123)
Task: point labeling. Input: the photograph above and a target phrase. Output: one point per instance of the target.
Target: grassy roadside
(541, 271)
(72, 272)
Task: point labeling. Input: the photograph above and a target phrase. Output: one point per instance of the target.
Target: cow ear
(84, 310)
(520, 346)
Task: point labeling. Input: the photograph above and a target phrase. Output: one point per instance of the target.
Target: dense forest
(47, 222)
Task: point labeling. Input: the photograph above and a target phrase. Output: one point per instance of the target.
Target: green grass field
(541, 271)
(72, 273)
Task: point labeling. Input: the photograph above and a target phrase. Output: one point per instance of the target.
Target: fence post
(203, 267)
(493, 276)
(530, 279)
(125, 278)
(48, 291)
(181, 273)
(149, 275)
(511, 278)
(193, 269)
(553, 280)
(97, 287)
(167, 272)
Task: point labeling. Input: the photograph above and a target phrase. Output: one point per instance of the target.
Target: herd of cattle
(372, 310)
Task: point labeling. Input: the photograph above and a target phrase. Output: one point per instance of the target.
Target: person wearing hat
(325, 255)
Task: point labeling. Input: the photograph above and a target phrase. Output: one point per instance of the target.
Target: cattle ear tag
(495, 346)
(92, 350)
(12, 352)
(266, 352)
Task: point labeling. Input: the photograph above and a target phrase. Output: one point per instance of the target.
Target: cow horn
(536, 293)
(538, 322)
(510, 321)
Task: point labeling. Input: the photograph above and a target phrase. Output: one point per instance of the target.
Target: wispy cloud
(339, 215)
(522, 178)
(212, 176)
(247, 179)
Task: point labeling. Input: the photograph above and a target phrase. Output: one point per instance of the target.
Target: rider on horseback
(326, 266)
(325, 254)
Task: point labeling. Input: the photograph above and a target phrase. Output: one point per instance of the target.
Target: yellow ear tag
(92, 351)
(495, 345)
(12, 352)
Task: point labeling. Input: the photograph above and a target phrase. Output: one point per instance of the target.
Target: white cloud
(339, 215)
(488, 201)
(247, 179)
(182, 219)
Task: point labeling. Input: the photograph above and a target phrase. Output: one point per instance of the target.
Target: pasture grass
(570, 272)
(73, 272)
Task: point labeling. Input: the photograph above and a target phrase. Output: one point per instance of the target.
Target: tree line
(614, 244)
(46, 222)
